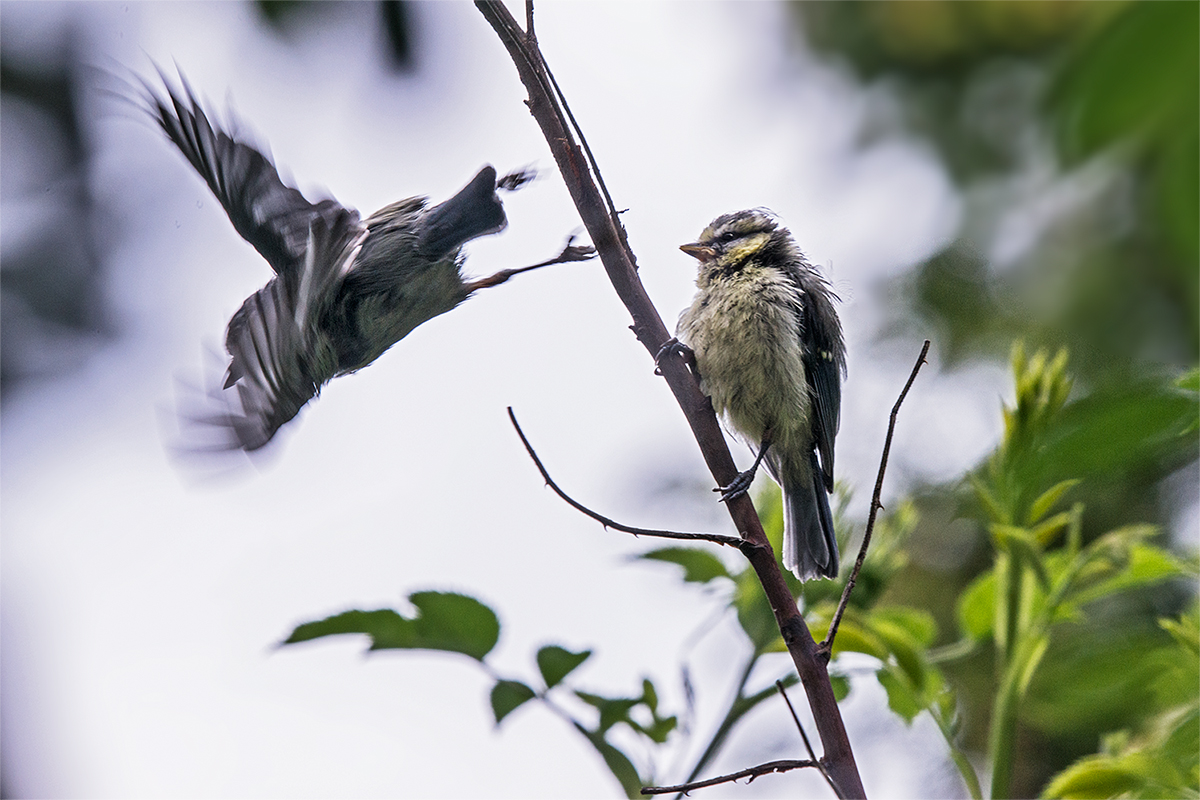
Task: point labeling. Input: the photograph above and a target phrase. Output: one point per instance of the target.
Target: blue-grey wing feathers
(278, 362)
(273, 217)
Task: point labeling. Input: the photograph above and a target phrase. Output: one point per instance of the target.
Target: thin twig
(648, 327)
(732, 541)
(587, 151)
(826, 647)
(785, 765)
(807, 744)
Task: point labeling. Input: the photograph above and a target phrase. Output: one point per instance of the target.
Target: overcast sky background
(141, 605)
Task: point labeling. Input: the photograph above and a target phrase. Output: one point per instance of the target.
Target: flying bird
(345, 288)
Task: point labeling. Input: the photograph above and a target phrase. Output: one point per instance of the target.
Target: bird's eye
(727, 236)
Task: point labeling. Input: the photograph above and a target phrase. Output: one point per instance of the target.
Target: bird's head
(731, 239)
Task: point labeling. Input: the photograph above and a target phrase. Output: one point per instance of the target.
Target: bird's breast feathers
(745, 333)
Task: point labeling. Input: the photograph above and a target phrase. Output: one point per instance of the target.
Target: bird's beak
(698, 251)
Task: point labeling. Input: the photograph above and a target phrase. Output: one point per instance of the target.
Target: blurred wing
(269, 215)
(279, 358)
(824, 365)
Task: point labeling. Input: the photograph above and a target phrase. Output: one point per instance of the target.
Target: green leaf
(853, 636)
(1121, 431)
(977, 607)
(383, 623)
(1045, 531)
(1189, 381)
(649, 696)
(699, 566)
(617, 762)
(555, 663)
(1024, 548)
(901, 698)
(841, 687)
(661, 729)
(918, 624)
(612, 709)
(444, 621)
(1048, 498)
(1101, 776)
(992, 506)
(1139, 565)
(755, 615)
(507, 696)
(1185, 631)
(906, 633)
(1140, 72)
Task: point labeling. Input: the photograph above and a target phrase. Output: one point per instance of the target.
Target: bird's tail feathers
(475, 211)
(809, 545)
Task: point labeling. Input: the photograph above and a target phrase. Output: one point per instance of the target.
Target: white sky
(140, 607)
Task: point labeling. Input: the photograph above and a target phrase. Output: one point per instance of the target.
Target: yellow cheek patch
(746, 247)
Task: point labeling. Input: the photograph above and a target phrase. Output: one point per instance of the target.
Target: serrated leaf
(507, 696)
(1041, 506)
(699, 566)
(555, 663)
(380, 623)
(444, 621)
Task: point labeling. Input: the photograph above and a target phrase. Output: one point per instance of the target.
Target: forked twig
(826, 647)
(807, 744)
(785, 765)
(732, 541)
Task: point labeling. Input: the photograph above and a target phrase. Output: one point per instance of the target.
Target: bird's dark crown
(739, 224)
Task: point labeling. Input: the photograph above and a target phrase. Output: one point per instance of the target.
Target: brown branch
(731, 541)
(804, 736)
(751, 773)
(826, 647)
(649, 329)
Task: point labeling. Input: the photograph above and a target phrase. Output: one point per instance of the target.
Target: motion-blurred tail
(475, 211)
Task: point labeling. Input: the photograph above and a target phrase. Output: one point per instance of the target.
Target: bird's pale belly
(752, 370)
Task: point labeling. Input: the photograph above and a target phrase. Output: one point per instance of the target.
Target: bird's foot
(673, 347)
(738, 486)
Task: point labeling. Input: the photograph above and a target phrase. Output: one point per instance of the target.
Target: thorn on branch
(731, 541)
(785, 765)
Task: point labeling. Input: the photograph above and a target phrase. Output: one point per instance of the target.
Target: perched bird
(345, 289)
(768, 350)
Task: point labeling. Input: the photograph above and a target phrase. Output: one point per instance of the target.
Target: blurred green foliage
(1071, 132)
(1071, 129)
